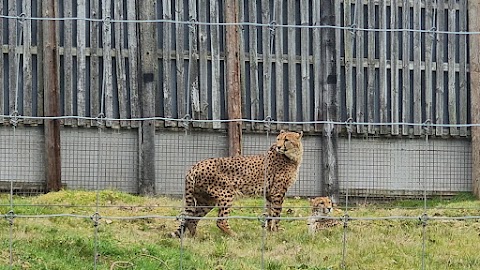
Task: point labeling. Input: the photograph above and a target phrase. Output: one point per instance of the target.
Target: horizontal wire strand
(349, 28)
(340, 218)
(423, 124)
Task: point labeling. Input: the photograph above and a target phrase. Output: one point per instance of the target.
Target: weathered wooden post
(329, 81)
(474, 43)
(233, 78)
(53, 168)
(147, 71)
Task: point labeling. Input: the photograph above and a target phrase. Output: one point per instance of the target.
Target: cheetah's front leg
(274, 205)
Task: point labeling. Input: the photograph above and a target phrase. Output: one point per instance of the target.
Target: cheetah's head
(321, 206)
(290, 145)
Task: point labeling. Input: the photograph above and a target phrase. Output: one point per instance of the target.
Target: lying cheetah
(321, 207)
(217, 181)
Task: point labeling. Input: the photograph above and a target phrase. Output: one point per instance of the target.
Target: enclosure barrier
(102, 177)
(365, 114)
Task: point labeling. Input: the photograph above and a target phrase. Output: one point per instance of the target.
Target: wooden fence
(289, 73)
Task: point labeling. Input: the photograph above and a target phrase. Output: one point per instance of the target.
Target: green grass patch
(143, 243)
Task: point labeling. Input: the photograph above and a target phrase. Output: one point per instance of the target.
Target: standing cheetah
(217, 181)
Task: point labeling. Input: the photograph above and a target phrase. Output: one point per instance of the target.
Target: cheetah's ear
(282, 131)
(300, 134)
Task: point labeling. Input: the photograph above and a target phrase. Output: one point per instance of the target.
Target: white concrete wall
(109, 159)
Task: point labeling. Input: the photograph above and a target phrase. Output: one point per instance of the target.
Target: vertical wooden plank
(2, 76)
(95, 75)
(406, 93)
(40, 60)
(254, 91)
(292, 74)
(371, 67)
(167, 70)
(394, 58)
(317, 70)
(474, 46)
(246, 104)
(360, 91)
(107, 62)
(232, 55)
(33, 62)
(267, 38)
(429, 39)
(203, 48)
(337, 21)
(215, 49)
(68, 64)
(439, 92)
(149, 59)
(132, 43)
(452, 95)
(81, 60)
(305, 63)
(279, 63)
(53, 168)
(253, 41)
(348, 41)
(194, 95)
(383, 66)
(180, 57)
(27, 62)
(463, 95)
(12, 58)
(417, 73)
(120, 63)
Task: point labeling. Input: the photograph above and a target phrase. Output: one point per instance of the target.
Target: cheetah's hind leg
(204, 204)
(223, 212)
(197, 208)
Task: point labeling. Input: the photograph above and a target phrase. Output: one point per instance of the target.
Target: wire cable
(349, 28)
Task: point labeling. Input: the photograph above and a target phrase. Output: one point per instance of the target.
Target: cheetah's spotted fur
(217, 181)
(321, 207)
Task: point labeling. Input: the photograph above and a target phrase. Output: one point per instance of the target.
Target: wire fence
(353, 27)
(424, 168)
(374, 166)
(368, 168)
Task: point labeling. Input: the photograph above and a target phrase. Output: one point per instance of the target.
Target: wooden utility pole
(53, 168)
(147, 71)
(474, 43)
(234, 98)
(329, 81)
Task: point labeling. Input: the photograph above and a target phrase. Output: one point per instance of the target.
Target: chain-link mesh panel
(176, 152)
(22, 155)
(404, 167)
(81, 153)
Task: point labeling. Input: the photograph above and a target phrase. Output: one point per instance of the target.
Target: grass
(68, 242)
